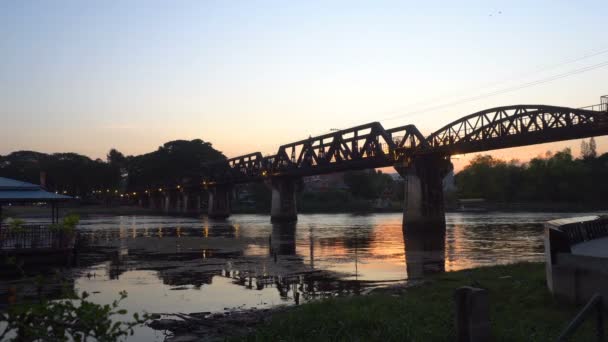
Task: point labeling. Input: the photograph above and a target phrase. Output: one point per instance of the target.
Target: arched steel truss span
(372, 146)
(514, 126)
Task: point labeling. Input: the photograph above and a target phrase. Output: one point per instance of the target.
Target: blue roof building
(14, 191)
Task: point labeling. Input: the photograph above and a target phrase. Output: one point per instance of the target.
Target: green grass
(521, 309)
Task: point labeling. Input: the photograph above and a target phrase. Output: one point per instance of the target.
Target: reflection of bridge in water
(319, 255)
(422, 161)
(290, 259)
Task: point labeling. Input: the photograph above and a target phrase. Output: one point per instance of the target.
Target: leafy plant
(68, 224)
(16, 225)
(75, 319)
(71, 221)
(56, 227)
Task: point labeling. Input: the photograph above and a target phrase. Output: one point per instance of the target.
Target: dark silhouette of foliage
(114, 157)
(554, 178)
(72, 173)
(367, 184)
(75, 319)
(173, 163)
(588, 149)
(78, 175)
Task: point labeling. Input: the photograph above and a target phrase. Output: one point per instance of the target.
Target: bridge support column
(198, 204)
(184, 202)
(157, 202)
(167, 203)
(178, 203)
(283, 207)
(152, 202)
(219, 202)
(423, 203)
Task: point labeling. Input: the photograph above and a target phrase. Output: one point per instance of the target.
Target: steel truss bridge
(372, 146)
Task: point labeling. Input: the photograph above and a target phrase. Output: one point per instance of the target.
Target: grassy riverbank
(522, 309)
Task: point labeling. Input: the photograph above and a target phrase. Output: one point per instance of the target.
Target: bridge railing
(31, 237)
(601, 107)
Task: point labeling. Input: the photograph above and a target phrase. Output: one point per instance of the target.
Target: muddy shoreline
(211, 327)
(206, 326)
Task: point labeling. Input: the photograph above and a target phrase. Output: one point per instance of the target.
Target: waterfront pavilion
(14, 191)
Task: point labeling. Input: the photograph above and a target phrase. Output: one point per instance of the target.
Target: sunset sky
(87, 76)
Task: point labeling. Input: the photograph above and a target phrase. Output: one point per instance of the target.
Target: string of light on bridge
(148, 191)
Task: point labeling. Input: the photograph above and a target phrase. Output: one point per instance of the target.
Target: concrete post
(219, 202)
(423, 178)
(283, 208)
(472, 315)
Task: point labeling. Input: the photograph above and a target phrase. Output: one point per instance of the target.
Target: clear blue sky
(86, 76)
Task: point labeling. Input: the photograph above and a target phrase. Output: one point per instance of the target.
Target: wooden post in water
(472, 314)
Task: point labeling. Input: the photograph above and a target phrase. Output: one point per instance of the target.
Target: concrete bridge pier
(423, 177)
(197, 204)
(152, 201)
(192, 202)
(178, 203)
(184, 207)
(166, 203)
(283, 207)
(159, 201)
(146, 201)
(219, 202)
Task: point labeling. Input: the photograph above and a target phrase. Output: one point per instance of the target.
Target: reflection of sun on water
(366, 254)
(455, 250)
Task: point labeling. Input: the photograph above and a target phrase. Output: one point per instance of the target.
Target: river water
(186, 265)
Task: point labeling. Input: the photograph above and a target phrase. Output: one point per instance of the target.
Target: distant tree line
(371, 185)
(553, 177)
(79, 175)
(556, 177)
(68, 173)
